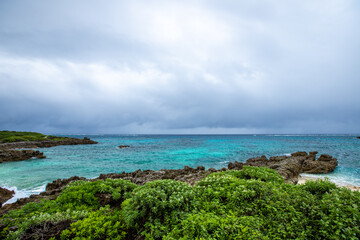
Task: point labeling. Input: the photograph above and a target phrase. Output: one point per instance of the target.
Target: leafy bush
(12, 136)
(211, 226)
(319, 187)
(339, 215)
(82, 194)
(253, 203)
(24, 223)
(102, 224)
(158, 205)
(76, 201)
(258, 173)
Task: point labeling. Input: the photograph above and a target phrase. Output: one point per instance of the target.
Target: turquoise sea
(172, 152)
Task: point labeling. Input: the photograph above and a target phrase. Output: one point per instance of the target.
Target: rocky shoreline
(9, 154)
(289, 167)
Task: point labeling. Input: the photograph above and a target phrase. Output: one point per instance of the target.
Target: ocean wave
(23, 193)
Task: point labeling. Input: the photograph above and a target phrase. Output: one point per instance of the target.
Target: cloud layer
(180, 66)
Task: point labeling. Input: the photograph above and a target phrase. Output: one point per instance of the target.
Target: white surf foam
(24, 192)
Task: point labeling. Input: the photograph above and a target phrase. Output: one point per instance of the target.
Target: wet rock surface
(47, 143)
(289, 167)
(8, 154)
(5, 195)
(188, 174)
(124, 146)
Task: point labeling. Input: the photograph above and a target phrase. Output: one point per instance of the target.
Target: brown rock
(5, 195)
(324, 164)
(289, 167)
(8, 155)
(124, 146)
(235, 166)
(57, 185)
(299, 154)
(258, 161)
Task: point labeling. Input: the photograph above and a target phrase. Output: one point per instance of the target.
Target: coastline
(288, 167)
(9, 151)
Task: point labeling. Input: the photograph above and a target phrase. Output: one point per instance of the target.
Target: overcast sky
(286, 66)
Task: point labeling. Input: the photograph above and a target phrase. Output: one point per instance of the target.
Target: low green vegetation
(13, 136)
(253, 203)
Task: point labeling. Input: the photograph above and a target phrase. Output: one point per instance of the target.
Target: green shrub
(13, 136)
(24, 223)
(102, 224)
(82, 194)
(221, 227)
(258, 173)
(76, 200)
(284, 209)
(251, 203)
(158, 205)
(339, 215)
(319, 187)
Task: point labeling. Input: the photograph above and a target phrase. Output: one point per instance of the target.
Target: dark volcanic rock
(52, 192)
(47, 143)
(188, 174)
(58, 185)
(235, 166)
(289, 167)
(5, 195)
(124, 146)
(324, 164)
(358, 137)
(8, 155)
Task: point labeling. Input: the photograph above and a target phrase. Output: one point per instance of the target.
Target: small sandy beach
(303, 179)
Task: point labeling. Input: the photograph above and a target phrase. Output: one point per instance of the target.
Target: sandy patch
(303, 179)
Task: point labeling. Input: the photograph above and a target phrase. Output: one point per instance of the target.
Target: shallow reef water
(173, 152)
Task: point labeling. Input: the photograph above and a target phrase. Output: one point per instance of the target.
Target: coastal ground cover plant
(14, 136)
(253, 203)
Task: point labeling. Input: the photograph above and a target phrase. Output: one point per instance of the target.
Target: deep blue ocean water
(173, 152)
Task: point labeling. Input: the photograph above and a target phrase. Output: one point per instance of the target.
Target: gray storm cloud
(180, 66)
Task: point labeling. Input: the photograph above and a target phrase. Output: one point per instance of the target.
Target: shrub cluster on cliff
(253, 203)
(13, 136)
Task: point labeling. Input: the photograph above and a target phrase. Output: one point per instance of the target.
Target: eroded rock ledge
(5, 195)
(8, 154)
(289, 167)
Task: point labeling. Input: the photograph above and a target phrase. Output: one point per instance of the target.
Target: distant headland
(11, 140)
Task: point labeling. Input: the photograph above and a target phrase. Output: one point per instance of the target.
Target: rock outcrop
(5, 195)
(289, 167)
(8, 154)
(324, 164)
(124, 146)
(188, 174)
(47, 143)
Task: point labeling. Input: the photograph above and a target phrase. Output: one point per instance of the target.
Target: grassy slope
(13, 136)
